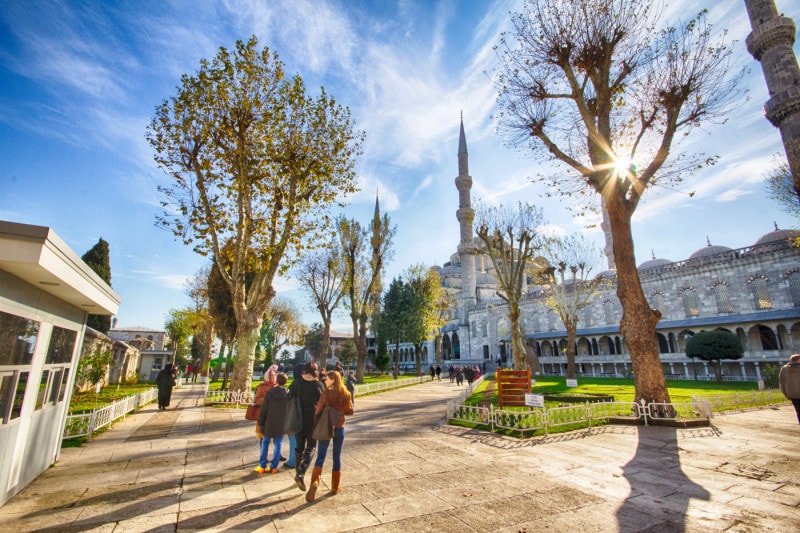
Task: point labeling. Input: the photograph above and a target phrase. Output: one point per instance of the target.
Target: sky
(80, 81)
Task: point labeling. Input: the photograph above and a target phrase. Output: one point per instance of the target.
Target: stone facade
(752, 291)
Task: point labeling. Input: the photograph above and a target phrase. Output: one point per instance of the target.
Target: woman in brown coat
(337, 396)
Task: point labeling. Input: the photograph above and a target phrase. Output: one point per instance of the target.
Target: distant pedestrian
(469, 373)
(790, 382)
(438, 373)
(335, 395)
(351, 386)
(459, 376)
(271, 419)
(432, 372)
(261, 391)
(451, 372)
(338, 368)
(165, 380)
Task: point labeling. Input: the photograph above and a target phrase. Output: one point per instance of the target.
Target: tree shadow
(660, 490)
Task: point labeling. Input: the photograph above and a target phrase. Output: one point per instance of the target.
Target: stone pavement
(190, 468)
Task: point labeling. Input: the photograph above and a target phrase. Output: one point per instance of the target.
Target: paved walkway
(191, 469)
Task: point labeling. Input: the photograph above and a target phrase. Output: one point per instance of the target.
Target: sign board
(534, 400)
(572, 383)
(760, 384)
(533, 383)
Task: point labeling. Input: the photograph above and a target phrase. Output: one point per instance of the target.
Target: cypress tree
(97, 260)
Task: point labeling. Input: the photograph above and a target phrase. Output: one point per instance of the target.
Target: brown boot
(336, 477)
(312, 488)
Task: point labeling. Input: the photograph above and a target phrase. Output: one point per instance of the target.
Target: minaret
(376, 230)
(465, 215)
(771, 43)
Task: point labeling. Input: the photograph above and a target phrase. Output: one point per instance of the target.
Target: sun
(624, 167)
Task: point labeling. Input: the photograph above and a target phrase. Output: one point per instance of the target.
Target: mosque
(751, 291)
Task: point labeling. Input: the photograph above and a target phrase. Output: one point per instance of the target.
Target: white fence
(700, 408)
(246, 397)
(84, 425)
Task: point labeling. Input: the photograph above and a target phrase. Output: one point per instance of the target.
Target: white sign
(534, 400)
(533, 383)
(572, 383)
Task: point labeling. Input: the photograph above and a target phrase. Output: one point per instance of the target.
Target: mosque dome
(450, 270)
(610, 273)
(708, 251)
(778, 235)
(652, 263)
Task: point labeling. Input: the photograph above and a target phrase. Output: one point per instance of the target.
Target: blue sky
(81, 80)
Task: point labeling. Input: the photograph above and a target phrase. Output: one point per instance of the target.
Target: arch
(758, 287)
(424, 353)
(447, 349)
(562, 346)
(547, 349)
(663, 344)
(595, 347)
(722, 297)
(691, 306)
(456, 347)
(503, 327)
(584, 347)
(607, 346)
(763, 336)
(673, 343)
(793, 279)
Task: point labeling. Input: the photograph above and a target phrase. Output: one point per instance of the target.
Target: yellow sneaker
(259, 470)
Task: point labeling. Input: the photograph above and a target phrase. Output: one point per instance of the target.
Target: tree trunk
(326, 339)
(247, 336)
(418, 357)
(396, 371)
(571, 331)
(360, 340)
(517, 343)
(638, 323)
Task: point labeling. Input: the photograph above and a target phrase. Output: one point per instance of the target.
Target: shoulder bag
(294, 414)
(252, 412)
(323, 426)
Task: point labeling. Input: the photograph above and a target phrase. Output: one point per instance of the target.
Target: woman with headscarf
(165, 380)
(336, 396)
(261, 391)
(309, 389)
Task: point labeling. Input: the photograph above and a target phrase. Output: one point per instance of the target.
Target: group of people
(460, 373)
(436, 372)
(315, 390)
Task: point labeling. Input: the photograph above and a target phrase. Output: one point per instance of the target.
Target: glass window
(55, 386)
(761, 294)
(722, 295)
(17, 339)
(794, 288)
(690, 305)
(19, 394)
(62, 391)
(62, 346)
(6, 395)
(41, 394)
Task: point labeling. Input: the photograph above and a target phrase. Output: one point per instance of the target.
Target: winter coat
(343, 405)
(309, 391)
(272, 415)
(790, 380)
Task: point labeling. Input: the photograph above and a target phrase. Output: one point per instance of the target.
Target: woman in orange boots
(337, 396)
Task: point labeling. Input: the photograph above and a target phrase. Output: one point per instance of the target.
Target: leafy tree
(425, 318)
(714, 346)
(97, 259)
(321, 275)
(398, 306)
(347, 353)
(363, 260)
(601, 87)
(565, 270)
(203, 332)
(179, 326)
(382, 359)
(255, 163)
(282, 326)
(93, 366)
(510, 238)
(313, 341)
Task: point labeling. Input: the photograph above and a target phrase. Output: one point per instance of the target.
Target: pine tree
(97, 260)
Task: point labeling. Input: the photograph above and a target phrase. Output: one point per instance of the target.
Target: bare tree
(602, 87)
(780, 186)
(321, 275)
(565, 269)
(510, 237)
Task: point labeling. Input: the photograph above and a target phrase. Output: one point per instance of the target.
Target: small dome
(652, 263)
(450, 269)
(778, 235)
(611, 273)
(437, 269)
(708, 251)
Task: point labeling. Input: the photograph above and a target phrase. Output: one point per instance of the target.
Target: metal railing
(740, 401)
(85, 424)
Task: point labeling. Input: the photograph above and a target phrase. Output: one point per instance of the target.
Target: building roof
(778, 235)
(36, 255)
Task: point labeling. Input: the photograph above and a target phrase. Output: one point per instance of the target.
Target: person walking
(351, 386)
(309, 389)
(789, 379)
(432, 372)
(438, 373)
(336, 396)
(261, 391)
(165, 380)
(271, 419)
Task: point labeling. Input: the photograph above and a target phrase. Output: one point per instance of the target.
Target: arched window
(657, 302)
(485, 328)
(722, 296)
(587, 317)
(690, 305)
(758, 286)
(663, 345)
(474, 329)
(768, 339)
(793, 278)
(551, 320)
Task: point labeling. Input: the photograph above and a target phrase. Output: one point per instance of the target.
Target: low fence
(84, 425)
(699, 409)
(246, 397)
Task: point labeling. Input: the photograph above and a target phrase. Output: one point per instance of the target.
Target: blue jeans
(276, 452)
(292, 445)
(322, 450)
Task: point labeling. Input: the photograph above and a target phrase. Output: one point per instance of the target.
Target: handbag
(252, 412)
(323, 426)
(294, 416)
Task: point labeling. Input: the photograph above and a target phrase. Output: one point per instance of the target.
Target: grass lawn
(83, 402)
(680, 391)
